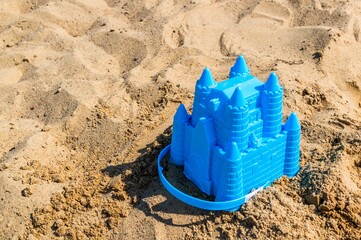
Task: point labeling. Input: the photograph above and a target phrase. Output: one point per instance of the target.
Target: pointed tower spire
(292, 123)
(206, 79)
(233, 151)
(239, 68)
(237, 99)
(253, 141)
(181, 114)
(272, 84)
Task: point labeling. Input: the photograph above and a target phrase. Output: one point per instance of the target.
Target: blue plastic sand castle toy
(234, 143)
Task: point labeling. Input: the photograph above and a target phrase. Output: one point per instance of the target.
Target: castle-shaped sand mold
(234, 143)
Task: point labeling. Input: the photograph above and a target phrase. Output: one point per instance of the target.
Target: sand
(88, 90)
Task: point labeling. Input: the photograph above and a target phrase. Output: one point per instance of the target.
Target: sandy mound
(88, 90)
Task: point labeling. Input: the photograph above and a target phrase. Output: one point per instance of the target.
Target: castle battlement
(234, 140)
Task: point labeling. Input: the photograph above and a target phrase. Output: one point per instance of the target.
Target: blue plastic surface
(234, 141)
(232, 205)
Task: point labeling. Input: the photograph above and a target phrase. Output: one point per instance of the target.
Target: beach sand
(88, 90)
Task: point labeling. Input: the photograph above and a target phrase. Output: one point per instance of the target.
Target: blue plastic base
(230, 206)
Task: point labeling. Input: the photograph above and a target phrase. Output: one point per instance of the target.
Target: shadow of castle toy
(235, 141)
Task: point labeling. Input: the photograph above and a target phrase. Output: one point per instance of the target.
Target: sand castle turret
(203, 88)
(293, 128)
(181, 117)
(237, 118)
(271, 102)
(233, 182)
(240, 68)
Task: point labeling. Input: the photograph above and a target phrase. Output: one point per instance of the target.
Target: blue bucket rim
(231, 205)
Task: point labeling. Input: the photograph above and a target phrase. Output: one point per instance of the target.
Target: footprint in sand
(128, 51)
(191, 27)
(74, 19)
(273, 10)
(48, 107)
(274, 26)
(95, 59)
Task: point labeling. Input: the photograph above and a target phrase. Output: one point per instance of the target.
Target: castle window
(254, 115)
